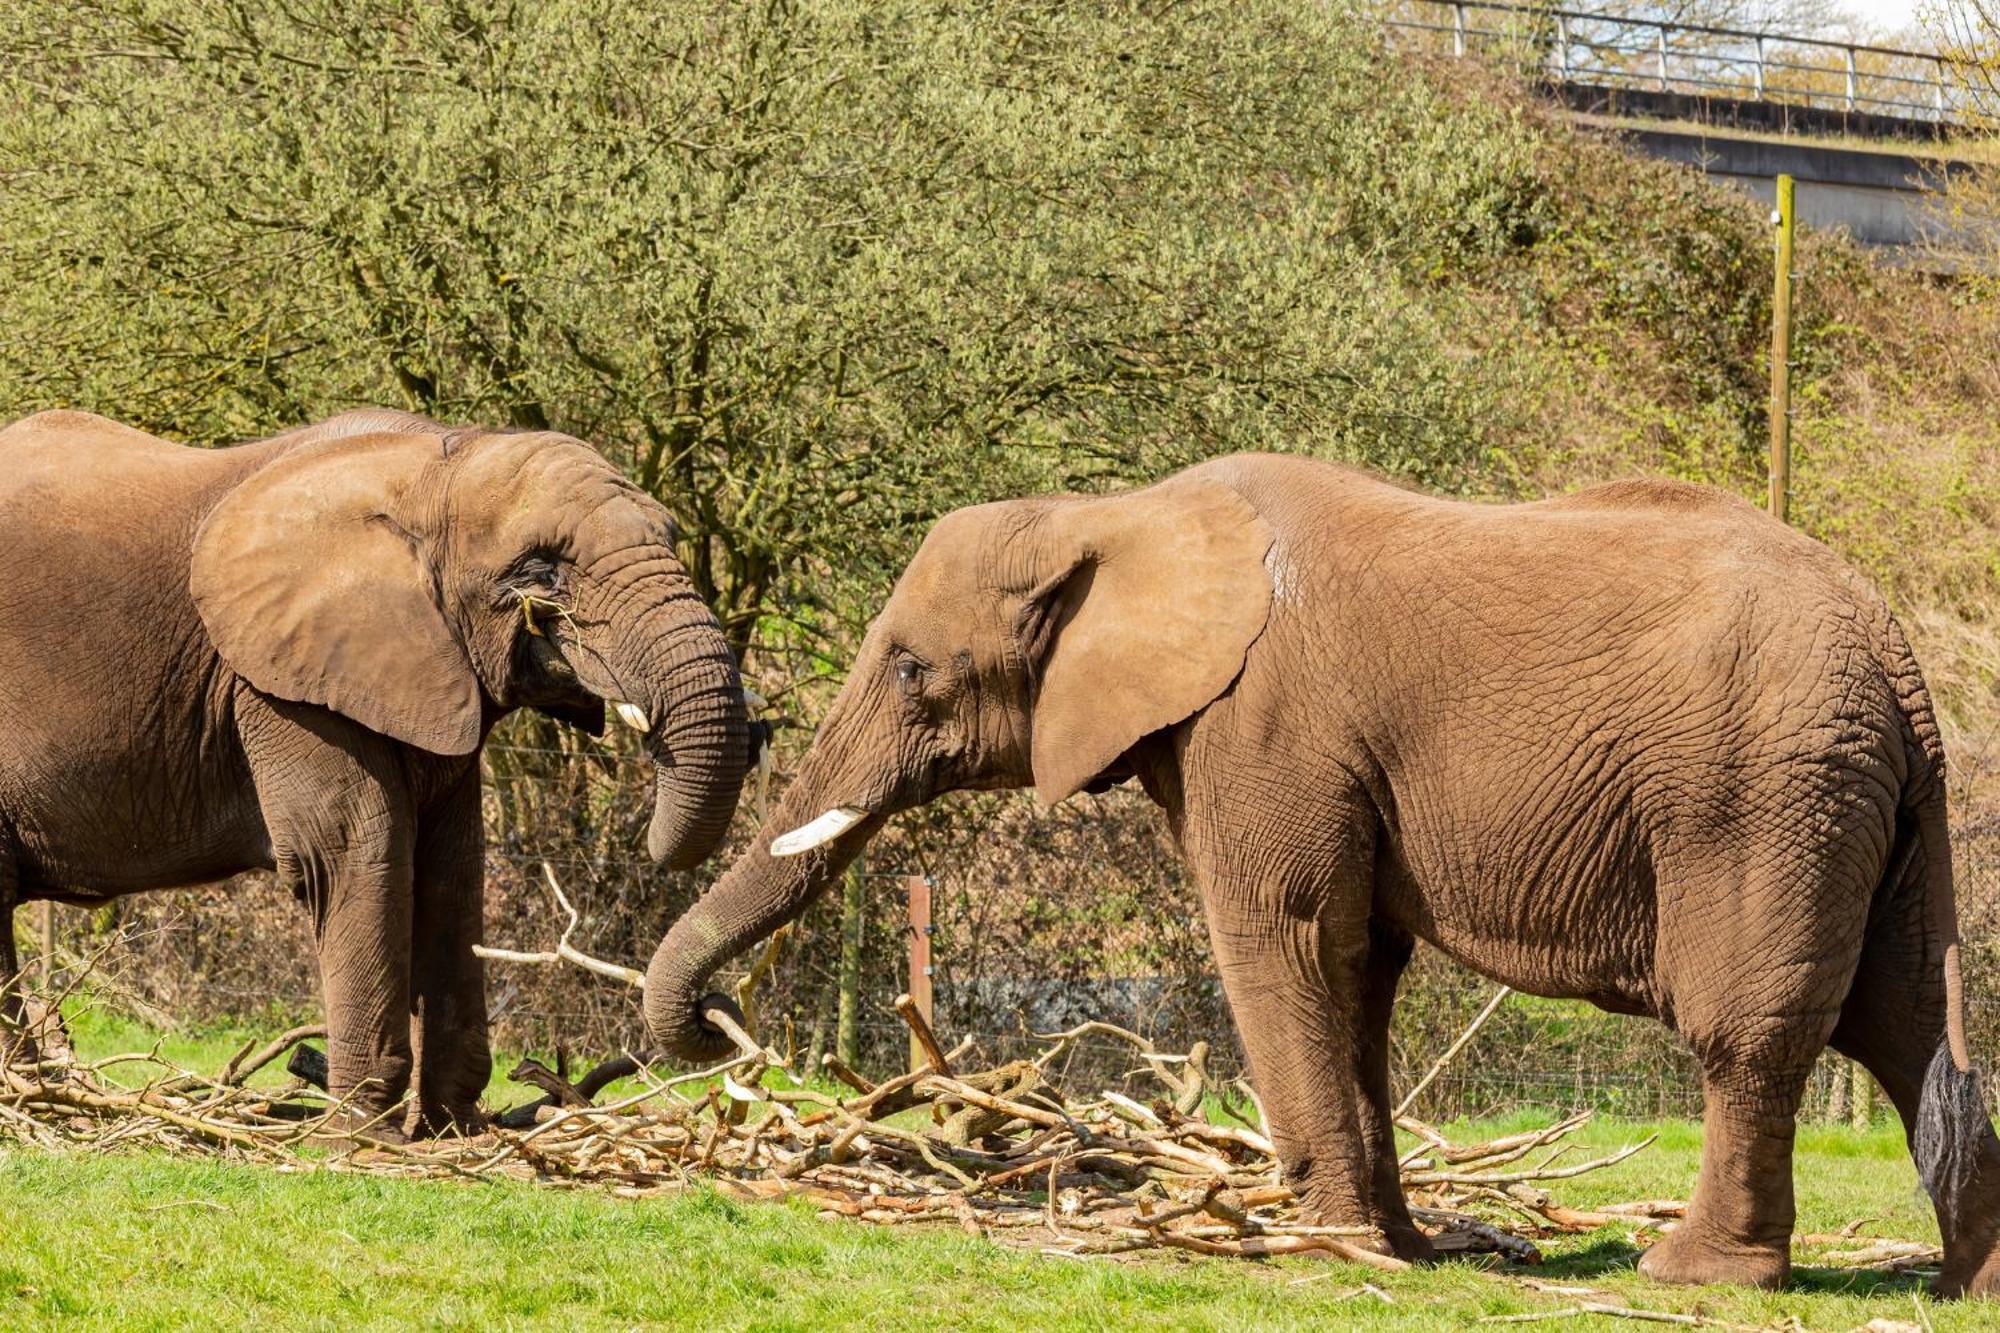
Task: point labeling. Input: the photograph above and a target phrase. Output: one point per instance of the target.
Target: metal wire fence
(1043, 919)
(1658, 55)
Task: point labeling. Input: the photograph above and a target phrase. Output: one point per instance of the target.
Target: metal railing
(1610, 50)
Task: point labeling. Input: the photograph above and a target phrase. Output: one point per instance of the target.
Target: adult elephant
(1640, 745)
(287, 655)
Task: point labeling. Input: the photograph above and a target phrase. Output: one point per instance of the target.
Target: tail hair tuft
(1951, 1127)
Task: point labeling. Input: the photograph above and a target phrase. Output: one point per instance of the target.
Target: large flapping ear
(1152, 600)
(314, 586)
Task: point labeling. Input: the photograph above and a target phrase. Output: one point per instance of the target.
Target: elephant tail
(1951, 1109)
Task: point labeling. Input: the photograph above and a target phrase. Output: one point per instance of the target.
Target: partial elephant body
(1588, 736)
(1666, 766)
(285, 655)
(1640, 745)
(97, 649)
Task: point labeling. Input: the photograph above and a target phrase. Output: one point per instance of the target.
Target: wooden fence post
(846, 1038)
(1781, 357)
(919, 887)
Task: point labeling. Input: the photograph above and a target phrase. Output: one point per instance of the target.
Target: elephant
(287, 655)
(1640, 745)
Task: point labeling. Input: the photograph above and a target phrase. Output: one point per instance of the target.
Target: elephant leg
(1388, 953)
(448, 1026)
(1756, 998)
(364, 918)
(1739, 1222)
(341, 824)
(1893, 1023)
(1757, 1005)
(1291, 941)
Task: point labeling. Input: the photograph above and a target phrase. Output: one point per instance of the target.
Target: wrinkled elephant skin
(287, 654)
(1640, 745)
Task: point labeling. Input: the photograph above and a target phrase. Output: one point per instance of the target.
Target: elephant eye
(539, 569)
(910, 675)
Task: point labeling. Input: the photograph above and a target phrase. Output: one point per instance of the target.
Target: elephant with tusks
(287, 655)
(1640, 745)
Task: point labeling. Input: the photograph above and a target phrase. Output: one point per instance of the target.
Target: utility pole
(1781, 357)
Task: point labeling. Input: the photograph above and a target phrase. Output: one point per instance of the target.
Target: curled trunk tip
(700, 755)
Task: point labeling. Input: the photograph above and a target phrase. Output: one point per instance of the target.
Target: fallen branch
(1619, 1312)
(906, 1009)
(1437, 1067)
(237, 1070)
(564, 952)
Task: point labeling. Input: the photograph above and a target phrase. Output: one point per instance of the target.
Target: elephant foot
(18, 1050)
(1690, 1257)
(34, 1037)
(366, 1125)
(1396, 1237)
(1978, 1278)
(1407, 1243)
(436, 1122)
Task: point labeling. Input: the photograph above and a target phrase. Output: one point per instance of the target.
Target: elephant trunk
(760, 893)
(698, 730)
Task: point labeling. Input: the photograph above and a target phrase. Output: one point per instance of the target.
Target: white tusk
(634, 717)
(754, 700)
(821, 831)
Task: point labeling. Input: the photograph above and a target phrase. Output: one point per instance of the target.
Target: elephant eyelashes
(537, 571)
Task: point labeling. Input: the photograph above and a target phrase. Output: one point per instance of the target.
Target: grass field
(150, 1241)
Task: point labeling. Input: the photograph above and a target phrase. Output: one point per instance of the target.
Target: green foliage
(815, 272)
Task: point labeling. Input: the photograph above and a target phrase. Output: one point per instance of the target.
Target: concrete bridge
(1867, 132)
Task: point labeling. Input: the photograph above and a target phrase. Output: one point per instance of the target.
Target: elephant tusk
(818, 833)
(634, 717)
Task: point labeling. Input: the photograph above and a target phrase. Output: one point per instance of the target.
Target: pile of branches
(1003, 1148)
(992, 1150)
(1000, 1150)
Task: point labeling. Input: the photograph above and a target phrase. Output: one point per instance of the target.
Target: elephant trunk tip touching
(675, 1005)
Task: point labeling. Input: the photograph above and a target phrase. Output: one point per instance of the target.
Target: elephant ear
(313, 582)
(1154, 599)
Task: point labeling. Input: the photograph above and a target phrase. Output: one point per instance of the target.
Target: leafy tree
(815, 272)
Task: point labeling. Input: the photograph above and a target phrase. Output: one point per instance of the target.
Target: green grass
(148, 1241)
(151, 1241)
